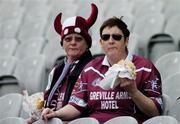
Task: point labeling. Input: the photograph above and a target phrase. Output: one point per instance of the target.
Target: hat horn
(57, 23)
(94, 12)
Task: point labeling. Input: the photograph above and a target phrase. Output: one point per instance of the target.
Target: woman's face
(113, 41)
(74, 46)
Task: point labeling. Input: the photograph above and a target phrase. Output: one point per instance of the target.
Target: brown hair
(114, 21)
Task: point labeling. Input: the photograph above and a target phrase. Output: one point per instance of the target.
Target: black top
(71, 77)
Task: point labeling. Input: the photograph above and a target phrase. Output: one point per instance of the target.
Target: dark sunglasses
(116, 37)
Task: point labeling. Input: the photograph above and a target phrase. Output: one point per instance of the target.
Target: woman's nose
(111, 40)
(73, 41)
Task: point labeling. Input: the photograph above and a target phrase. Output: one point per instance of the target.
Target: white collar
(106, 63)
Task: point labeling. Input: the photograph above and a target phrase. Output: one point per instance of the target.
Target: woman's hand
(48, 113)
(29, 120)
(144, 103)
(128, 85)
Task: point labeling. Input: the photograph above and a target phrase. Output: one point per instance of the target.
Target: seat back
(32, 46)
(168, 64)
(51, 121)
(10, 105)
(146, 26)
(133, 44)
(85, 120)
(173, 28)
(57, 51)
(9, 27)
(30, 73)
(149, 7)
(13, 120)
(32, 28)
(96, 48)
(175, 110)
(161, 120)
(8, 47)
(160, 44)
(167, 103)
(9, 84)
(7, 65)
(171, 87)
(122, 120)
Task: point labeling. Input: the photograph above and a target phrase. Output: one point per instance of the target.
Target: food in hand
(128, 69)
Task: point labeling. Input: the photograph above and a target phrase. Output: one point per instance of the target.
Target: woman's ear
(61, 43)
(127, 41)
(100, 41)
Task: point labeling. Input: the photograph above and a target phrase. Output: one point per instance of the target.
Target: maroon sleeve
(79, 95)
(153, 87)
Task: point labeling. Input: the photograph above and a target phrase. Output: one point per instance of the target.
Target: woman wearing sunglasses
(140, 98)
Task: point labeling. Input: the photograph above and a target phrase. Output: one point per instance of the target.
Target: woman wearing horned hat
(117, 84)
(76, 41)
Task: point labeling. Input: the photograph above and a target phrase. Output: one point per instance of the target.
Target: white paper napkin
(113, 75)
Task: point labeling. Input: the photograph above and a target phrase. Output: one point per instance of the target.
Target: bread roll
(129, 68)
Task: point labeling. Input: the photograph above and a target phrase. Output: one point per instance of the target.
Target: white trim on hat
(77, 30)
(66, 31)
(69, 22)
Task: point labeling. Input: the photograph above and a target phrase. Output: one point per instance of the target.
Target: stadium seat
(30, 73)
(145, 27)
(13, 120)
(172, 27)
(159, 45)
(11, 11)
(51, 121)
(168, 64)
(161, 120)
(83, 11)
(85, 120)
(7, 65)
(175, 110)
(133, 44)
(171, 8)
(57, 52)
(96, 48)
(149, 7)
(32, 28)
(118, 6)
(167, 103)
(118, 9)
(139, 3)
(29, 47)
(122, 120)
(94, 30)
(29, 4)
(10, 105)
(50, 33)
(9, 3)
(35, 12)
(10, 27)
(59, 60)
(8, 83)
(65, 7)
(171, 87)
(8, 47)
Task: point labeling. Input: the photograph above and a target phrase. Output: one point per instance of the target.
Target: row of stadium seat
(14, 104)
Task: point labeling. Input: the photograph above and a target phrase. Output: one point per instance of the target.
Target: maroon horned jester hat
(76, 24)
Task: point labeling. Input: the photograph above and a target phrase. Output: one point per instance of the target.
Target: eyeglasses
(116, 37)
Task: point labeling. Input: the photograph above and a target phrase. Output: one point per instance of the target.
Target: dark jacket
(71, 77)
